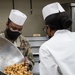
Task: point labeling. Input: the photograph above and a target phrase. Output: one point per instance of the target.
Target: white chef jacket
(57, 55)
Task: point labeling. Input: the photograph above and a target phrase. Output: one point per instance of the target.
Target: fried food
(17, 69)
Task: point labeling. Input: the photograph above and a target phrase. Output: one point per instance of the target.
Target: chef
(13, 33)
(57, 55)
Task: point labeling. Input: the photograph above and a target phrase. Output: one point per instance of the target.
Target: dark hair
(8, 21)
(59, 20)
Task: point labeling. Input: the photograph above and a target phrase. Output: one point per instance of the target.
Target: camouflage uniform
(22, 44)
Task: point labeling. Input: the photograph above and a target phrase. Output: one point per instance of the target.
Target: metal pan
(1, 73)
(9, 54)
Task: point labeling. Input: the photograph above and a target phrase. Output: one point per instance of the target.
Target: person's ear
(47, 26)
(7, 25)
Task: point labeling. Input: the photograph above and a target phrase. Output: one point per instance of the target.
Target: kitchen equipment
(9, 54)
(35, 43)
(1, 73)
(73, 16)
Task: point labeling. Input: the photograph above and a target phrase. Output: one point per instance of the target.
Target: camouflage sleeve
(28, 53)
(30, 57)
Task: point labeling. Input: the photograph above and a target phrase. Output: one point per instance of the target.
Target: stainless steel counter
(36, 66)
(35, 43)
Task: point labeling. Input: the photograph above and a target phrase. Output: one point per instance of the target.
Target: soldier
(13, 32)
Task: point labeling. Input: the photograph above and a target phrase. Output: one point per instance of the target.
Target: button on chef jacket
(57, 55)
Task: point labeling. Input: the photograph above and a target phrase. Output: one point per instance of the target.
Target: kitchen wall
(34, 22)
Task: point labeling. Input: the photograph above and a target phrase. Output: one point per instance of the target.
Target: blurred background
(33, 9)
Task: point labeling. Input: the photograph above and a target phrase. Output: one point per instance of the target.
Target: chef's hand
(26, 61)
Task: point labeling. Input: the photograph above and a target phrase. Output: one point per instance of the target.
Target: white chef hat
(52, 9)
(17, 17)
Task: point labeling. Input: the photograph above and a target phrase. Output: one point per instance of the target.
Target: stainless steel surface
(1, 73)
(36, 38)
(35, 43)
(35, 70)
(73, 16)
(9, 54)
